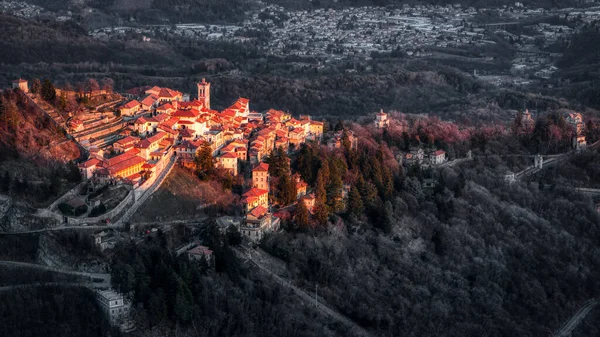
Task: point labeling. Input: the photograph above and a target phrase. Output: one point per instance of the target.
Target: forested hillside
(53, 42)
(580, 65)
(52, 312)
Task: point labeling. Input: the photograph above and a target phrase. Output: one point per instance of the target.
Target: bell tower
(204, 93)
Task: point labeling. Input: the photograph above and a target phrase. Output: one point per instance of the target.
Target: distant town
(432, 32)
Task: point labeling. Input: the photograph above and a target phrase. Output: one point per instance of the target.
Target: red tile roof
(131, 104)
(149, 100)
(190, 113)
(229, 155)
(258, 211)
(135, 160)
(127, 140)
(89, 163)
(261, 167)
(200, 250)
(255, 192)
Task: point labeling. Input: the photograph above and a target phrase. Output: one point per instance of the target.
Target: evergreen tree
(321, 213)
(278, 163)
(48, 91)
(386, 220)
(55, 184)
(346, 144)
(62, 102)
(355, 204)
(518, 123)
(36, 86)
(301, 216)
(73, 175)
(9, 113)
(320, 188)
(204, 161)
(5, 183)
(234, 237)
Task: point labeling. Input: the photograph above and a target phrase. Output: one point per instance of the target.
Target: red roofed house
(166, 108)
(301, 185)
(124, 165)
(87, 168)
(75, 125)
(168, 95)
(258, 222)
(255, 197)
(187, 149)
(125, 144)
(201, 253)
(150, 144)
(260, 176)
(228, 161)
(149, 102)
(153, 91)
(297, 136)
(316, 130)
(437, 157)
(309, 201)
(130, 108)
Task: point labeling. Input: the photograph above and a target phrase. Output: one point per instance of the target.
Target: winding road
(571, 324)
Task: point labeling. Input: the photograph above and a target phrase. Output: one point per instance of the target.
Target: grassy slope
(180, 197)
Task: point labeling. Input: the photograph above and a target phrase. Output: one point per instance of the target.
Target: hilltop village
(131, 142)
(157, 127)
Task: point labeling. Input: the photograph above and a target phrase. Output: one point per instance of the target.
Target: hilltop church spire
(204, 93)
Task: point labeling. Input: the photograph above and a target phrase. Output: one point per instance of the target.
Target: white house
(381, 120)
(112, 304)
(437, 157)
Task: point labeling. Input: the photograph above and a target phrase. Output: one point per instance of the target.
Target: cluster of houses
(165, 123)
(574, 119)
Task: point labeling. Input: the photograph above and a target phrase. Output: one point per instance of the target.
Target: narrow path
(44, 284)
(322, 307)
(572, 323)
(92, 276)
(155, 185)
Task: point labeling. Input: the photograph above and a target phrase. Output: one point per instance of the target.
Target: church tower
(204, 93)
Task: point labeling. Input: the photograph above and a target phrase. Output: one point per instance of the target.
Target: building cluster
(576, 121)
(21, 9)
(165, 123)
(573, 119)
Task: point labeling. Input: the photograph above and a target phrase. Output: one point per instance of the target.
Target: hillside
(55, 42)
(52, 311)
(182, 196)
(34, 152)
(580, 66)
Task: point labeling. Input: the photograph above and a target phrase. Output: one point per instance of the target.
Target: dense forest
(580, 65)
(471, 256)
(52, 312)
(175, 294)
